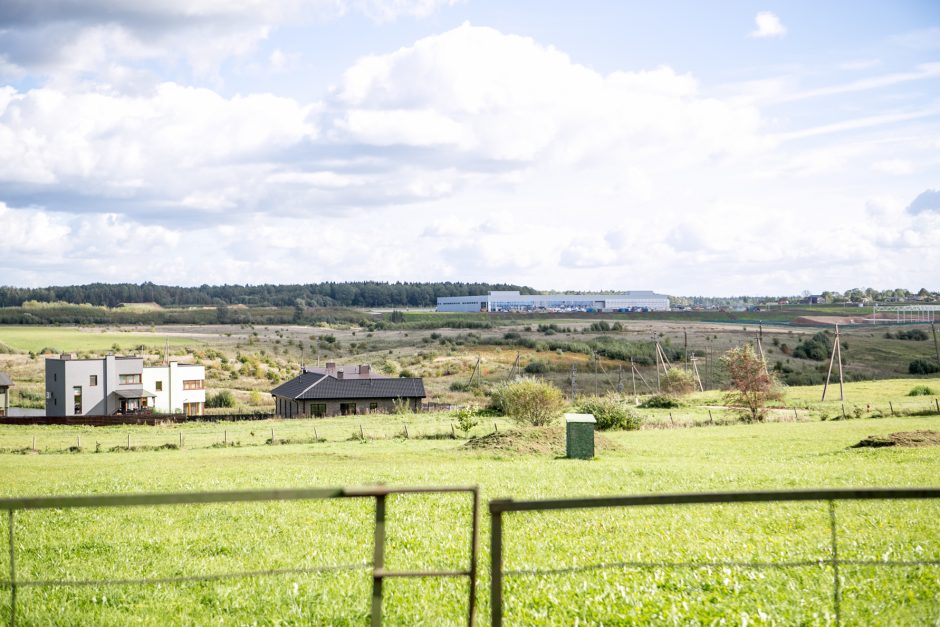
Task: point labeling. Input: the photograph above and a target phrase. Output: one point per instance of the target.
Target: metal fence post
(474, 539)
(12, 575)
(378, 560)
(496, 567)
(836, 586)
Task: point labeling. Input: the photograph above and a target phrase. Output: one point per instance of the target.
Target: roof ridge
(304, 391)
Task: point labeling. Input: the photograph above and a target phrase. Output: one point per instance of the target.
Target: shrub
(529, 401)
(223, 398)
(659, 401)
(677, 382)
(610, 413)
(401, 406)
(922, 366)
(922, 390)
(816, 348)
(466, 419)
(536, 367)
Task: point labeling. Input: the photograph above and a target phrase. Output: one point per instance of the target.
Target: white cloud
(893, 166)
(506, 97)
(469, 155)
(62, 36)
(171, 139)
(768, 25)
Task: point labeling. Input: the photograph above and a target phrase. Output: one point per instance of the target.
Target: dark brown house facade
(332, 393)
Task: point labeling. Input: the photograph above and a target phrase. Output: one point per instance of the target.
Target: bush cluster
(610, 413)
(659, 401)
(917, 335)
(223, 398)
(922, 390)
(922, 366)
(678, 382)
(529, 401)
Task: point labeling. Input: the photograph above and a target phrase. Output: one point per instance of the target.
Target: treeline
(329, 294)
(222, 314)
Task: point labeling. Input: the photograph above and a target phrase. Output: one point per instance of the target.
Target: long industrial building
(514, 301)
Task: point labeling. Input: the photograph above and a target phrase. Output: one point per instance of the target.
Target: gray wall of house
(4, 400)
(64, 375)
(289, 408)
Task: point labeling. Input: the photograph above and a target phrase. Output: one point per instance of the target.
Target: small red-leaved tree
(751, 384)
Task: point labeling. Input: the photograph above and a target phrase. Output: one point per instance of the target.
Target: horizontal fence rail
(499, 507)
(379, 572)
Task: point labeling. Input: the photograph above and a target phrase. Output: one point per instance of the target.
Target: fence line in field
(293, 431)
(500, 507)
(377, 565)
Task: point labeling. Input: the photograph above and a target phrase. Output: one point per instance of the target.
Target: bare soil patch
(817, 320)
(533, 441)
(901, 438)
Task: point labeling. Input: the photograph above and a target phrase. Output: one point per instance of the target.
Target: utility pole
(685, 344)
(594, 355)
(633, 375)
(836, 353)
(936, 346)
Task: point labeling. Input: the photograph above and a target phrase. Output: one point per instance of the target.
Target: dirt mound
(532, 441)
(901, 438)
(819, 320)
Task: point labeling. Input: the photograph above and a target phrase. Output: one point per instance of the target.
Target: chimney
(331, 367)
(339, 375)
(364, 371)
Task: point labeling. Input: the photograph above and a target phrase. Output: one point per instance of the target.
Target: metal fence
(503, 506)
(379, 572)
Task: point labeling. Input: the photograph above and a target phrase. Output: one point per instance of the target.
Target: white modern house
(5, 384)
(112, 384)
(178, 388)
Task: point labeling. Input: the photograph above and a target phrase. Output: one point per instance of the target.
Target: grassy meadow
(697, 446)
(432, 531)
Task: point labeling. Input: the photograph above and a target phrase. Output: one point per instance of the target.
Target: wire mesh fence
(20, 539)
(812, 556)
(199, 435)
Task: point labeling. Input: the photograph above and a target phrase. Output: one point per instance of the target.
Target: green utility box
(579, 436)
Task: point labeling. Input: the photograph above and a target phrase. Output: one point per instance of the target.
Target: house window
(77, 392)
(193, 409)
(92, 380)
(317, 410)
(194, 384)
(373, 406)
(347, 409)
(159, 385)
(128, 379)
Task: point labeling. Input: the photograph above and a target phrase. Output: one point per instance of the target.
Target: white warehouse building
(514, 301)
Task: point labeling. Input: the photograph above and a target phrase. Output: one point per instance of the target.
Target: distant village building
(514, 301)
(112, 384)
(344, 391)
(5, 384)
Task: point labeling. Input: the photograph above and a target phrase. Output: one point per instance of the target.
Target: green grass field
(432, 531)
(74, 339)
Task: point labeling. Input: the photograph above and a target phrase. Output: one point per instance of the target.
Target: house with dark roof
(330, 392)
(5, 384)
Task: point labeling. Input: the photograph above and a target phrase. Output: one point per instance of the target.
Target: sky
(685, 147)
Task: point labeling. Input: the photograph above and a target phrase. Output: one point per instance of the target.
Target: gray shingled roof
(315, 386)
(296, 386)
(5, 380)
